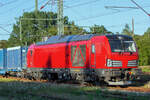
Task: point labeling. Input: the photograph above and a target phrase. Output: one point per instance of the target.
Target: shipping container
(2, 61)
(14, 58)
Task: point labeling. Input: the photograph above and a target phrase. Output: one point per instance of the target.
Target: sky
(82, 12)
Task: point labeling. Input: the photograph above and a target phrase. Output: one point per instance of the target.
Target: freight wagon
(2, 61)
(111, 58)
(12, 60)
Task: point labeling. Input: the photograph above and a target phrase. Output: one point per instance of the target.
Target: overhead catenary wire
(99, 15)
(4, 34)
(74, 30)
(12, 8)
(140, 8)
(81, 4)
(110, 7)
(20, 4)
(7, 3)
(105, 14)
(6, 24)
(32, 7)
(5, 30)
(84, 17)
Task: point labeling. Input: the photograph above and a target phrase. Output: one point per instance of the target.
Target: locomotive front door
(93, 56)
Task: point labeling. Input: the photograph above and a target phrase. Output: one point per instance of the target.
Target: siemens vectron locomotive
(109, 58)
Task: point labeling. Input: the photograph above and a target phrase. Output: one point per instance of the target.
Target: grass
(11, 89)
(6, 80)
(145, 69)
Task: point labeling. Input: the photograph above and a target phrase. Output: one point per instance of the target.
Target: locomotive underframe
(119, 76)
(111, 76)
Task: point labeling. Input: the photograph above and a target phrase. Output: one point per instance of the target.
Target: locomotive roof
(70, 38)
(61, 39)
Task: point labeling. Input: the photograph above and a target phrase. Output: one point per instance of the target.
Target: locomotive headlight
(109, 62)
(114, 63)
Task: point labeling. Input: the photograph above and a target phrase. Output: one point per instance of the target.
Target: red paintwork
(59, 55)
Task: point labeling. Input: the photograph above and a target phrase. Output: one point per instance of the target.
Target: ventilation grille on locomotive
(132, 63)
(116, 63)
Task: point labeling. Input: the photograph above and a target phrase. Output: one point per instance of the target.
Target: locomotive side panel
(48, 56)
(59, 55)
(41, 57)
(62, 55)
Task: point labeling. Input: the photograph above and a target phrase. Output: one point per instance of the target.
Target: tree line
(33, 31)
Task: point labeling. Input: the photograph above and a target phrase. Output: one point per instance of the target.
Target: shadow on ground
(144, 80)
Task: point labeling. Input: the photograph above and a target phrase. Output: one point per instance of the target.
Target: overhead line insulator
(42, 7)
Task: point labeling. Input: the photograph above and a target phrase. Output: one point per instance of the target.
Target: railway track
(104, 91)
(138, 89)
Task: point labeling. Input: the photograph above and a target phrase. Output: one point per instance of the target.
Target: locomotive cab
(121, 60)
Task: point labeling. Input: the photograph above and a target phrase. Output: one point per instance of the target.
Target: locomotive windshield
(122, 46)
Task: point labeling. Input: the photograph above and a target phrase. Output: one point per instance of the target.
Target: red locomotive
(92, 57)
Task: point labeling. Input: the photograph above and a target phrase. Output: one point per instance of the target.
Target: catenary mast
(60, 19)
